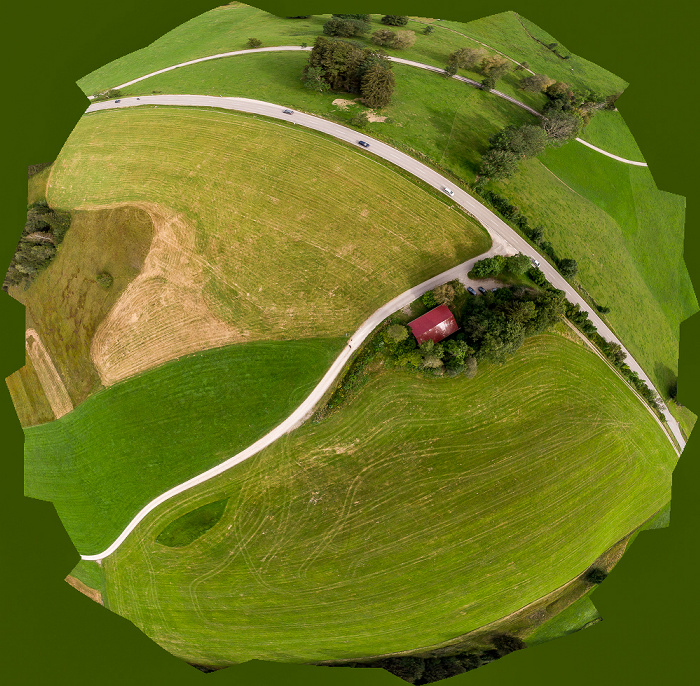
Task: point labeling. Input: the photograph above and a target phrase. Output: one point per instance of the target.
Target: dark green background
(53, 635)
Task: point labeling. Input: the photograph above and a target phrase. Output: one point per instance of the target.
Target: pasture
(125, 445)
(424, 509)
(280, 233)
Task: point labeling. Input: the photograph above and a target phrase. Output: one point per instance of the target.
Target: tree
(507, 643)
(496, 66)
(488, 83)
(394, 20)
(485, 268)
(345, 28)
(383, 37)
(432, 361)
(561, 127)
(254, 43)
(358, 17)
(403, 40)
(526, 140)
(450, 70)
(313, 78)
(498, 164)
(428, 299)
(105, 279)
(595, 575)
(535, 83)
(377, 86)
(428, 30)
(406, 667)
(471, 367)
(444, 294)
(568, 267)
(517, 264)
(397, 333)
(467, 58)
(360, 120)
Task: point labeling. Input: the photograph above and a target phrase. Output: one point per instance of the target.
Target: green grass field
(608, 131)
(627, 237)
(102, 462)
(447, 121)
(422, 510)
(65, 304)
(226, 29)
(574, 618)
(298, 235)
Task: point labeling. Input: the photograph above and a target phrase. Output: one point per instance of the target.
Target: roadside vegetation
(102, 462)
(346, 512)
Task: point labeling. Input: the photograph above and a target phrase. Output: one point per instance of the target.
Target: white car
(449, 191)
(535, 262)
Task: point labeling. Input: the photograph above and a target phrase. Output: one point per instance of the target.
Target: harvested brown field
(91, 593)
(50, 381)
(28, 397)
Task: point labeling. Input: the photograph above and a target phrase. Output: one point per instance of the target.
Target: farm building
(435, 325)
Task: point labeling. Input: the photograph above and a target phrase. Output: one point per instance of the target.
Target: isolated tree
(403, 40)
(394, 20)
(383, 37)
(104, 279)
(377, 86)
(535, 83)
(498, 164)
(561, 127)
(428, 30)
(568, 267)
(595, 575)
(254, 43)
(467, 58)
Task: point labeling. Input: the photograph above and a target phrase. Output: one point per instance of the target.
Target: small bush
(105, 279)
(596, 575)
(253, 43)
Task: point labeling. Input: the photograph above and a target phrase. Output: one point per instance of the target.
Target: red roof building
(435, 325)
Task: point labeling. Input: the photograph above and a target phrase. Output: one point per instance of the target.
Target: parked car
(117, 101)
(535, 262)
(287, 111)
(482, 290)
(364, 144)
(471, 290)
(449, 191)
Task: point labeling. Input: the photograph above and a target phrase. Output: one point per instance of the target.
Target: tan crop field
(28, 397)
(282, 233)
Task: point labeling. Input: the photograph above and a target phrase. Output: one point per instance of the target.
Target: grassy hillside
(447, 121)
(295, 234)
(608, 131)
(225, 29)
(627, 237)
(424, 509)
(102, 462)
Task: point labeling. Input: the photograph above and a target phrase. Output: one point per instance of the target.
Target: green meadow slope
(102, 462)
(423, 509)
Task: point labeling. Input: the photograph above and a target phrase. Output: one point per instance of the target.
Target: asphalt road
(505, 241)
(398, 60)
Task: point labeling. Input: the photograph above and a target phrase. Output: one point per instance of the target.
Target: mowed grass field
(65, 303)
(627, 237)
(444, 120)
(226, 29)
(297, 235)
(102, 462)
(424, 509)
(608, 131)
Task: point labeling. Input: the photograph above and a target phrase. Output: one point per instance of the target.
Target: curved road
(505, 240)
(398, 60)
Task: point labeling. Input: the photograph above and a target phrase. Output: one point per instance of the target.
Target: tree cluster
(491, 67)
(342, 66)
(509, 146)
(496, 324)
(500, 264)
(42, 233)
(347, 25)
(394, 20)
(427, 670)
(399, 40)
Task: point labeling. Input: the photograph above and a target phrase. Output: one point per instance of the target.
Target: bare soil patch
(162, 313)
(51, 382)
(91, 593)
(343, 103)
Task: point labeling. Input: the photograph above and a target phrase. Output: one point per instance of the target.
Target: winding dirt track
(505, 240)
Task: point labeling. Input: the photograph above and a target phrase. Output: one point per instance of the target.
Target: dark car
(364, 144)
(287, 111)
(471, 290)
(117, 101)
(482, 290)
